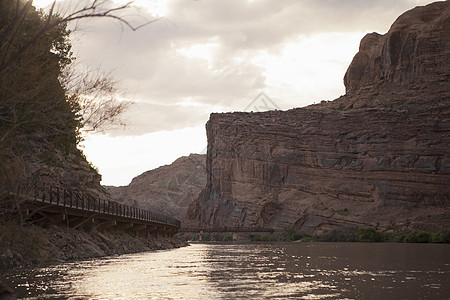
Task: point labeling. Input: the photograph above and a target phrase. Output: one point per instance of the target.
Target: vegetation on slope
(45, 102)
(45, 106)
(33, 102)
(368, 234)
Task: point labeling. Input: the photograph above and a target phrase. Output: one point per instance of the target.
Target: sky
(204, 56)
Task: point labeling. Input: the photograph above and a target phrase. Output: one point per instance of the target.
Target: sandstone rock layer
(415, 51)
(168, 189)
(378, 156)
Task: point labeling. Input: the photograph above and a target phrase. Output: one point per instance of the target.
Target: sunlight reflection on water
(230, 271)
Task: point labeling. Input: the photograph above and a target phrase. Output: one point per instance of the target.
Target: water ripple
(242, 271)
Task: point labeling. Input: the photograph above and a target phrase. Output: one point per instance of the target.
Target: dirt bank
(34, 246)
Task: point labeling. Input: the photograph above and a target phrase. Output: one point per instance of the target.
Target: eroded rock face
(378, 156)
(168, 189)
(41, 166)
(415, 51)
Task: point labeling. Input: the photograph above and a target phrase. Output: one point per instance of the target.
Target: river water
(251, 271)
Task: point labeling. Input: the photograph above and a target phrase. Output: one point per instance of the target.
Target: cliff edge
(378, 156)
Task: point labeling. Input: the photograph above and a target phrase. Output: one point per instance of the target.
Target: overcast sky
(208, 56)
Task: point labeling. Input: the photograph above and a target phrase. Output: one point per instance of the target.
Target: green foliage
(289, 232)
(138, 244)
(33, 102)
(288, 235)
(370, 235)
(308, 238)
(352, 234)
(395, 237)
(340, 235)
(227, 238)
(441, 236)
(417, 236)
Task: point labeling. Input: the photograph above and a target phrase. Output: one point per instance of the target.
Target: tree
(30, 90)
(96, 95)
(43, 103)
(21, 10)
(369, 235)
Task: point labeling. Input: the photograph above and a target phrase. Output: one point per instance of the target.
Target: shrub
(369, 235)
(339, 235)
(417, 236)
(308, 238)
(138, 244)
(395, 237)
(442, 236)
(289, 235)
(302, 236)
(227, 238)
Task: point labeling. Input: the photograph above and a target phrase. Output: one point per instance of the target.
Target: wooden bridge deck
(79, 208)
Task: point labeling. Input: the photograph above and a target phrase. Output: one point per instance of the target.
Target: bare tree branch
(97, 94)
(94, 10)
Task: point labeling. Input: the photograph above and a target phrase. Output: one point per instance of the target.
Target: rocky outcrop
(414, 51)
(38, 164)
(378, 156)
(168, 190)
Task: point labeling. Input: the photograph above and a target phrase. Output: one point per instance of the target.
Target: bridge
(81, 209)
(235, 233)
(226, 229)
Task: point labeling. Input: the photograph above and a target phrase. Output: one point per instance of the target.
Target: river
(251, 271)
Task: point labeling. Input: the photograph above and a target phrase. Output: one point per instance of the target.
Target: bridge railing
(87, 202)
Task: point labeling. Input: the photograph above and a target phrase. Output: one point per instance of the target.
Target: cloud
(217, 55)
(120, 158)
(152, 117)
(221, 54)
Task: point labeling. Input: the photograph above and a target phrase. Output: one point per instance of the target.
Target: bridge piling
(124, 225)
(102, 225)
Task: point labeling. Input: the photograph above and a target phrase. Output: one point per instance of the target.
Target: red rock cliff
(166, 190)
(378, 156)
(414, 52)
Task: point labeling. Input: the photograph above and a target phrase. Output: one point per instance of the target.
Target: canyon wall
(378, 156)
(168, 190)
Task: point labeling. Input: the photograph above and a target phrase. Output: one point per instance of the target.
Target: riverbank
(35, 246)
(348, 234)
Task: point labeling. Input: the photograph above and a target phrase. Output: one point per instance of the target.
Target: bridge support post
(56, 218)
(170, 232)
(106, 224)
(151, 231)
(124, 225)
(82, 222)
(52, 218)
(138, 227)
